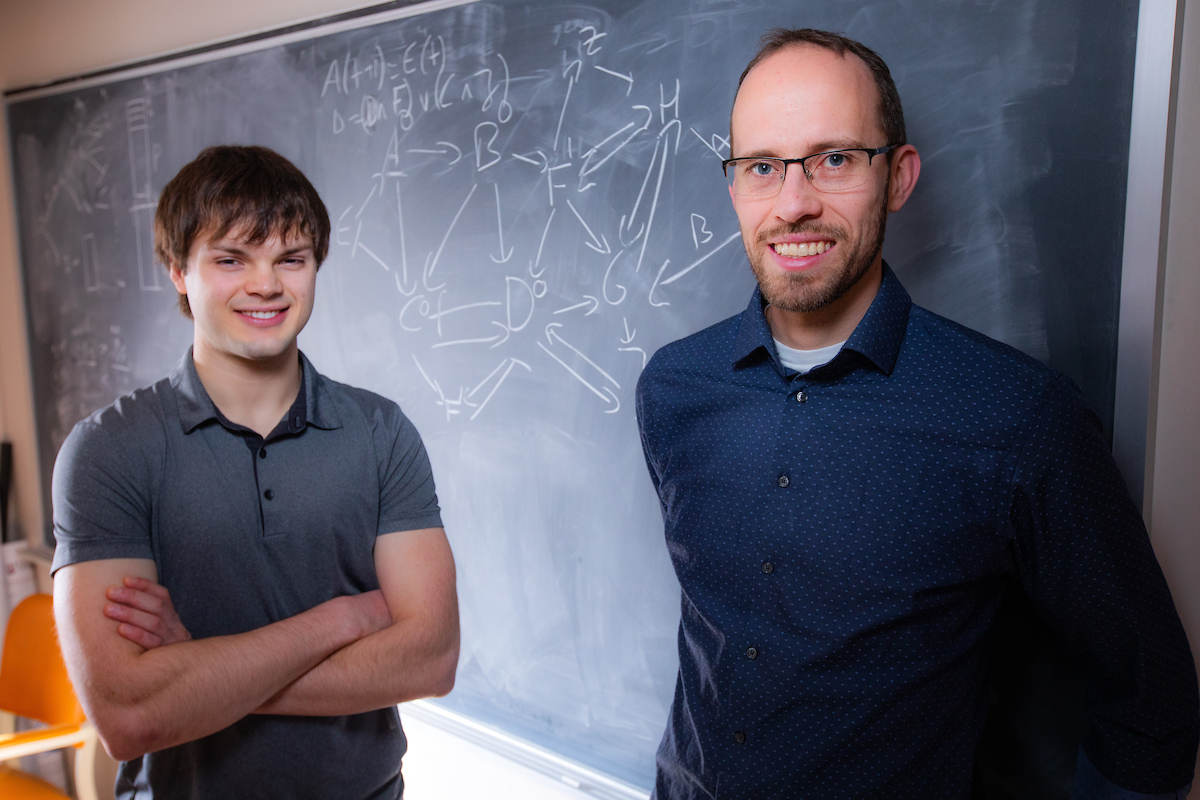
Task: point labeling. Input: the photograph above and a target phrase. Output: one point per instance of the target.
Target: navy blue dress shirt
(843, 538)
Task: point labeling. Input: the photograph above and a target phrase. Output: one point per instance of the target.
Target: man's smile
(801, 249)
(265, 316)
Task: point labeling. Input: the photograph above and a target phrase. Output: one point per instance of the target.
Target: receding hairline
(799, 45)
(791, 46)
(890, 110)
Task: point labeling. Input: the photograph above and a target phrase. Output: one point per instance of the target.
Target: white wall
(1174, 508)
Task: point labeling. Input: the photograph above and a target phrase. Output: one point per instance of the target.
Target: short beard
(804, 292)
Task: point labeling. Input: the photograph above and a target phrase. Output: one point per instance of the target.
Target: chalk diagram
(78, 189)
(495, 151)
(88, 361)
(142, 155)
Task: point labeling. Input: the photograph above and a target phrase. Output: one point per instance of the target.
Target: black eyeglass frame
(871, 153)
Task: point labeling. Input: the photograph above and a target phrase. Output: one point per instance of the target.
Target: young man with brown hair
(849, 482)
(269, 541)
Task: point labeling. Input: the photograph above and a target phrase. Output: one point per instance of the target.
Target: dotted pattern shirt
(843, 538)
(246, 532)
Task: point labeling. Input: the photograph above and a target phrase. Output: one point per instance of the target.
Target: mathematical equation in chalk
(534, 213)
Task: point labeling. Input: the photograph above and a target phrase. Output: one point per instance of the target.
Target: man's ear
(905, 169)
(176, 271)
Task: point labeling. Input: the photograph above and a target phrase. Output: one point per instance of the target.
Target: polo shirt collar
(877, 337)
(320, 410)
(196, 407)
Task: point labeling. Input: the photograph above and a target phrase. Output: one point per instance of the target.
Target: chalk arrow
(406, 292)
(628, 77)
(587, 301)
(628, 334)
(623, 227)
(500, 229)
(576, 65)
(451, 145)
(604, 393)
(599, 245)
(553, 336)
(457, 151)
(613, 398)
(635, 350)
(528, 160)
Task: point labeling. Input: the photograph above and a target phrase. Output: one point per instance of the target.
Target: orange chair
(34, 685)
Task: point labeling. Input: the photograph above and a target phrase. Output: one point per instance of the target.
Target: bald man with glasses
(850, 482)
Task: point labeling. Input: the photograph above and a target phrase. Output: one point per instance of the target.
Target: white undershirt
(804, 360)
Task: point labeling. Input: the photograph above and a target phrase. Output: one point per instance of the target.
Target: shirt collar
(196, 407)
(877, 337)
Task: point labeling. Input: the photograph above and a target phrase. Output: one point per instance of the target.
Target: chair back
(33, 677)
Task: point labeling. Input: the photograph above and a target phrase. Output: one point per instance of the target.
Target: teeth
(801, 249)
(261, 314)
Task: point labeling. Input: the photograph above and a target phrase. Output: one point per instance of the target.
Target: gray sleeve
(407, 497)
(101, 499)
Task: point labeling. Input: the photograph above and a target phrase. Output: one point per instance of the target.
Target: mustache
(834, 232)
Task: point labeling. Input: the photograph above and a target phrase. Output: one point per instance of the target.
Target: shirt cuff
(1089, 784)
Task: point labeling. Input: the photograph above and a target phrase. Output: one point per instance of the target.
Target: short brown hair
(891, 114)
(228, 187)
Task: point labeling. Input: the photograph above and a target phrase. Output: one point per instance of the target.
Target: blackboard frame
(1144, 256)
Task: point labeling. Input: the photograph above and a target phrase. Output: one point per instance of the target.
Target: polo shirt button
(801, 396)
(768, 567)
(269, 494)
(262, 453)
(752, 653)
(784, 481)
(739, 737)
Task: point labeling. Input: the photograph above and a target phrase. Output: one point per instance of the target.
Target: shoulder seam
(1018, 451)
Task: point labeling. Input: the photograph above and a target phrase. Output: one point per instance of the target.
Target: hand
(145, 612)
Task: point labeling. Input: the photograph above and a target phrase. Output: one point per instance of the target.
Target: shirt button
(768, 567)
(739, 737)
(269, 494)
(262, 453)
(801, 396)
(752, 653)
(784, 481)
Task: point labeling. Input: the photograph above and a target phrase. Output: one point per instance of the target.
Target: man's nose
(264, 280)
(797, 199)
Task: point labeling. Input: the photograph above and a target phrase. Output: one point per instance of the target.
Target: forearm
(1084, 556)
(1089, 784)
(410, 659)
(144, 700)
(182, 692)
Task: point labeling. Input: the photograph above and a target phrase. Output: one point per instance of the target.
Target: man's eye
(835, 160)
(763, 169)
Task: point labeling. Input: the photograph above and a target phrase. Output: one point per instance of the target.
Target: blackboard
(528, 202)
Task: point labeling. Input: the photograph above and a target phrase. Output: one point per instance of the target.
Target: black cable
(5, 483)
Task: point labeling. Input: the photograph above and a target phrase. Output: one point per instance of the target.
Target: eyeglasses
(831, 171)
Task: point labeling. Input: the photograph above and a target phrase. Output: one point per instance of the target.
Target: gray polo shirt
(246, 532)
